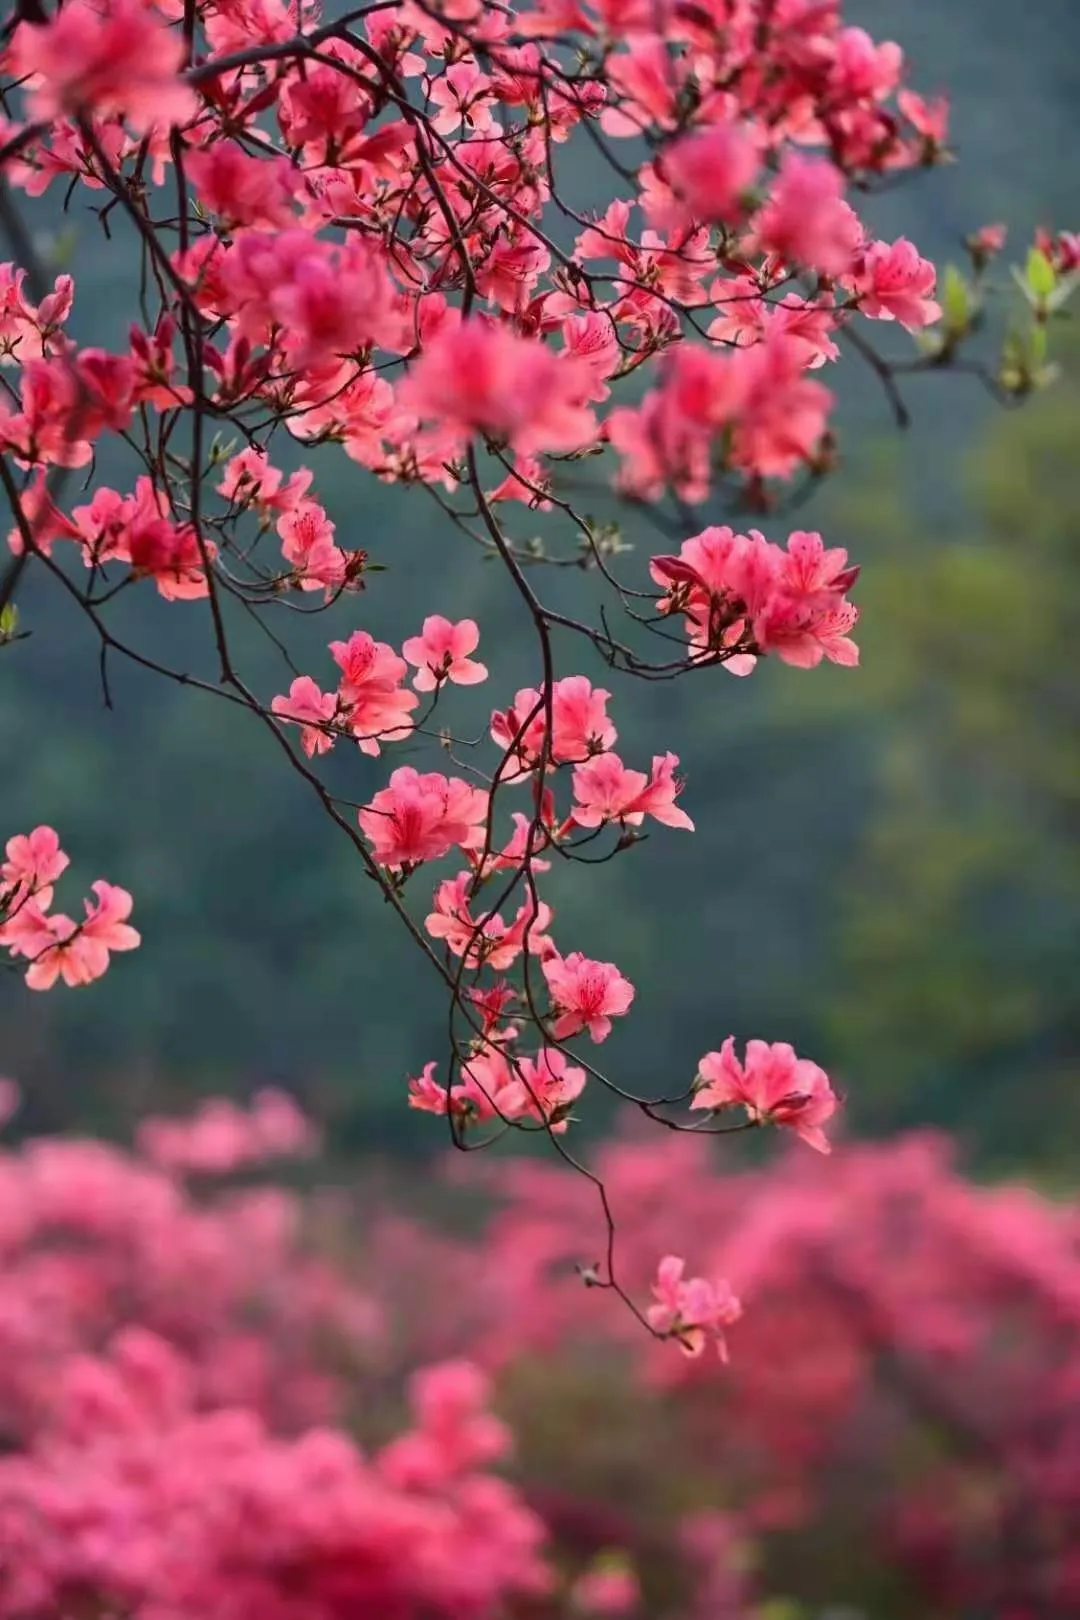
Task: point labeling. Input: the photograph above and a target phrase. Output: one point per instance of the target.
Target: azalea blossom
(710, 172)
(773, 1085)
(312, 710)
(805, 218)
(104, 56)
(441, 653)
(423, 816)
(604, 790)
(60, 948)
(585, 995)
(478, 377)
(893, 283)
(691, 1310)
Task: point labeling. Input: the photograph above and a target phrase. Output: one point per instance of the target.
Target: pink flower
(864, 70)
(801, 635)
(585, 994)
(240, 188)
(376, 705)
(484, 1092)
(478, 377)
(28, 332)
(221, 1137)
(606, 1589)
(774, 1086)
(34, 862)
(51, 426)
(494, 1085)
(783, 414)
(441, 653)
(171, 556)
(986, 242)
(250, 479)
(693, 1311)
(544, 1088)
(930, 118)
(462, 93)
(710, 171)
(423, 817)
(495, 945)
(806, 617)
(1063, 250)
(893, 283)
(657, 798)
(312, 710)
(307, 542)
(527, 482)
(743, 591)
(805, 218)
(643, 75)
(107, 57)
(604, 790)
(47, 523)
(333, 303)
(593, 339)
(76, 952)
(580, 725)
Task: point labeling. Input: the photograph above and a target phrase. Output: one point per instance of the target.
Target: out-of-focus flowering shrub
(899, 1421)
(241, 1402)
(174, 1372)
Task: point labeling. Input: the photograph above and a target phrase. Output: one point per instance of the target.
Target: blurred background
(886, 872)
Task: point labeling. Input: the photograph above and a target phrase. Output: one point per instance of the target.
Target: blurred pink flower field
(246, 1400)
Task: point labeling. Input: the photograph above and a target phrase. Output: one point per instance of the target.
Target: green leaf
(1040, 275)
(9, 621)
(956, 300)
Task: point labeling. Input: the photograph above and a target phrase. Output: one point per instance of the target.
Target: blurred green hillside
(885, 870)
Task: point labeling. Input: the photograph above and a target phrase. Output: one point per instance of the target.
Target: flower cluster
(273, 1526)
(54, 945)
(739, 592)
(221, 1137)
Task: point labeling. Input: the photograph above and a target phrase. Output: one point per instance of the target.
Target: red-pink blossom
(376, 706)
(892, 283)
(805, 218)
(220, 1137)
(481, 936)
(105, 57)
(773, 1085)
(580, 725)
(479, 377)
(585, 995)
(312, 710)
(33, 863)
(78, 953)
(441, 653)
(930, 118)
(421, 817)
(709, 172)
(691, 1310)
(243, 189)
(604, 790)
(544, 1088)
(608, 1588)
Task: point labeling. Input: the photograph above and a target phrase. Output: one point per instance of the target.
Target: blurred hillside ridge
(885, 866)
